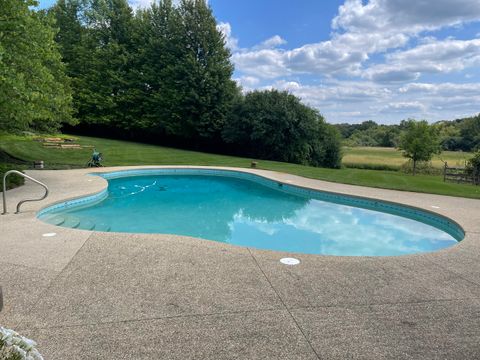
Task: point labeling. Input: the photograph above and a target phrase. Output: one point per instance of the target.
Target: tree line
(456, 135)
(161, 74)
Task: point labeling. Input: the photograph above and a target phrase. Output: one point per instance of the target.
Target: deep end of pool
(246, 209)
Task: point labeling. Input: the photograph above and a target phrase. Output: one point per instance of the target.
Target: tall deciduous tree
(204, 73)
(34, 91)
(419, 142)
(160, 59)
(96, 44)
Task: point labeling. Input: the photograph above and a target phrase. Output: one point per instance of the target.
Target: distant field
(130, 153)
(356, 156)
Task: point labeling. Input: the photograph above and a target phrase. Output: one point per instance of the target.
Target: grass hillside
(129, 153)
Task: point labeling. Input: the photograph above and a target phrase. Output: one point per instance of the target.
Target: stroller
(96, 159)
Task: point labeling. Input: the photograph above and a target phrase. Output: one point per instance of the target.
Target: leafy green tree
(369, 124)
(380, 135)
(470, 132)
(473, 167)
(326, 147)
(275, 125)
(34, 91)
(346, 130)
(419, 142)
(369, 133)
(204, 74)
(95, 40)
(160, 60)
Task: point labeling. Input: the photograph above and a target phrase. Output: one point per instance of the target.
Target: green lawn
(128, 153)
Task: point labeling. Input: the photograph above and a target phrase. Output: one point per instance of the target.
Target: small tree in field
(419, 142)
(473, 168)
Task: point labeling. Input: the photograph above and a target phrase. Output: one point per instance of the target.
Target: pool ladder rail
(23, 201)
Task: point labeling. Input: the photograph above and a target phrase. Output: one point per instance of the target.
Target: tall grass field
(378, 157)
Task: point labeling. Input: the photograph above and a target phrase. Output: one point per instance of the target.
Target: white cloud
(344, 54)
(433, 57)
(362, 29)
(271, 43)
(247, 82)
(326, 58)
(443, 89)
(375, 63)
(407, 16)
(356, 101)
(440, 56)
(390, 74)
(226, 30)
(407, 106)
(266, 63)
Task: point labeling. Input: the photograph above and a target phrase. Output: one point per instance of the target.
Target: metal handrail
(23, 201)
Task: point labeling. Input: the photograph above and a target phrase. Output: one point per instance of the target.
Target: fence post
(445, 172)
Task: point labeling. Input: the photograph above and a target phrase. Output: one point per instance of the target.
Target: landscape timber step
(70, 146)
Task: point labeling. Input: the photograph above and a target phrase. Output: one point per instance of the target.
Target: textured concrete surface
(90, 295)
(131, 277)
(429, 330)
(21, 288)
(251, 335)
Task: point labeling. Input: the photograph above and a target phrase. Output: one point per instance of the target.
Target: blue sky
(354, 60)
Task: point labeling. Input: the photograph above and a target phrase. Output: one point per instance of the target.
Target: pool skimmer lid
(290, 261)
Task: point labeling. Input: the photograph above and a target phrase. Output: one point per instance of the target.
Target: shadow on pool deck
(84, 295)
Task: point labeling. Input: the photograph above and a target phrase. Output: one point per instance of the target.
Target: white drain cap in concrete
(49, 234)
(290, 261)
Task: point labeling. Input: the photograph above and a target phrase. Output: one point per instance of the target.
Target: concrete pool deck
(92, 295)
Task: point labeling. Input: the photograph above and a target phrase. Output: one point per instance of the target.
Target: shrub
(275, 125)
(473, 167)
(14, 346)
(368, 166)
(12, 180)
(422, 167)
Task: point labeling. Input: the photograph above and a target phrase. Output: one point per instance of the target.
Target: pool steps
(71, 222)
(75, 223)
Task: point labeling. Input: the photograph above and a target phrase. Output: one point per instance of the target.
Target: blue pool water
(264, 215)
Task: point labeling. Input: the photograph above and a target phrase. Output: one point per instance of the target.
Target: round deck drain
(49, 234)
(290, 261)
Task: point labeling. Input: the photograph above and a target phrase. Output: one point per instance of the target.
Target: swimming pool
(249, 210)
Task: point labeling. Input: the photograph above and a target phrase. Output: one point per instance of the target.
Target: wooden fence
(460, 175)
